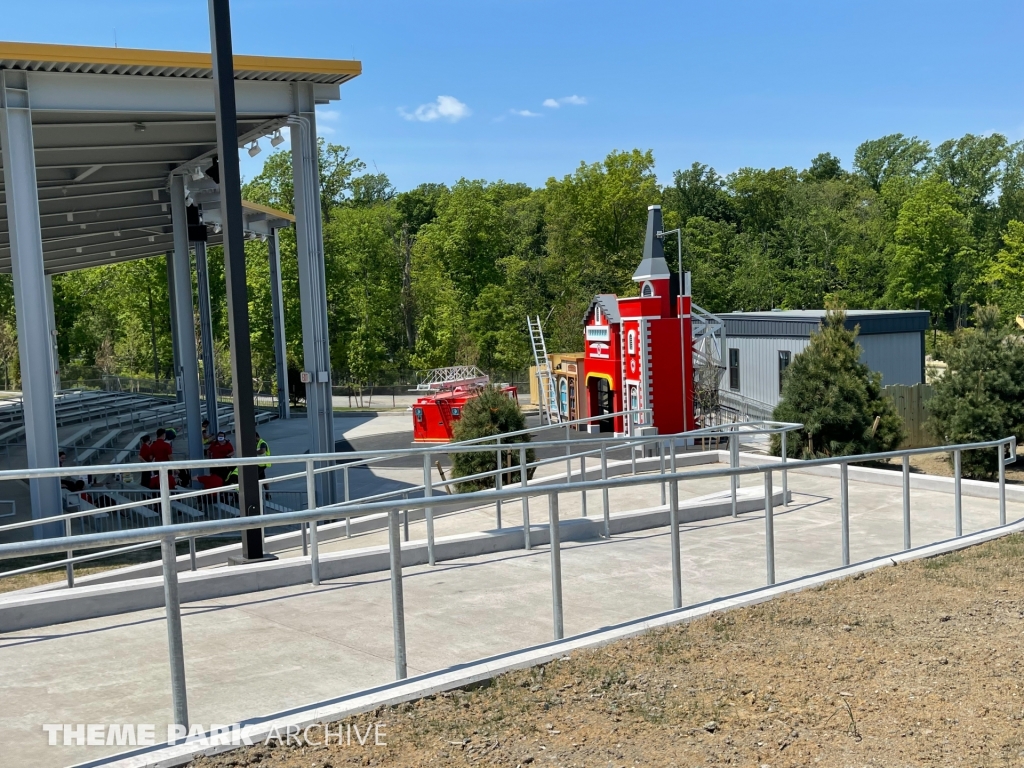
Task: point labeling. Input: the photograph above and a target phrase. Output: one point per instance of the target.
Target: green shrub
(981, 397)
(488, 415)
(836, 397)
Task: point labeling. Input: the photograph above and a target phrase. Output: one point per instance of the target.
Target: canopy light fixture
(216, 229)
(277, 139)
(197, 173)
(254, 148)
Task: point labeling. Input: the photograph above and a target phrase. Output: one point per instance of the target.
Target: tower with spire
(636, 348)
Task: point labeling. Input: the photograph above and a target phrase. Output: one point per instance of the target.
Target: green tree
(1005, 275)
(934, 266)
(981, 397)
(489, 415)
(891, 157)
(836, 397)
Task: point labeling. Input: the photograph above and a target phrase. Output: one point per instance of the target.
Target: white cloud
(574, 100)
(324, 130)
(524, 113)
(328, 114)
(445, 108)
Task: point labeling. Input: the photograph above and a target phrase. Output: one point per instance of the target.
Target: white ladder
(547, 396)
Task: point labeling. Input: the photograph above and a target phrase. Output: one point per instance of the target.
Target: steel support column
(184, 319)
(234, 269)
(312, 282)
(51, 327)
(175, 346)
(26, 243)
(277, 307)
(206, 336)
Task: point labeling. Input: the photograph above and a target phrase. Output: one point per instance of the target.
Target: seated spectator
(69, 482)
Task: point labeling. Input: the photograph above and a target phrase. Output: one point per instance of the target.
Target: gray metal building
(761, 345)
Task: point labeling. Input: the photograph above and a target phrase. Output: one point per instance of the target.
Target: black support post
(234, 270)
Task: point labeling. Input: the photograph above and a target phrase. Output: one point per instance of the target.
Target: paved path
(255, 654)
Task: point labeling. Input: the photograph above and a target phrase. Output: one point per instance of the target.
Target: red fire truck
(447, 390)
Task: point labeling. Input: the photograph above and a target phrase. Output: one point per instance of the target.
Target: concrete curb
(31, 611)
(258, 729)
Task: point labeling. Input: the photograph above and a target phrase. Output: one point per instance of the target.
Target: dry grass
(917, 664)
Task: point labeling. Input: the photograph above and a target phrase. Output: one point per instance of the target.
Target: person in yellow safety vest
(262, 449)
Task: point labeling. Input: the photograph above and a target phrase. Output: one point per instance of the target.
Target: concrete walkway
(257, 654)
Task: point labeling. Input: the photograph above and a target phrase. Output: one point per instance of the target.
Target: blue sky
(725, 83)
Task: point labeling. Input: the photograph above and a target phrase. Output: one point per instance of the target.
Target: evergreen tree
(981, 397)
(836, 397)
(489, 415)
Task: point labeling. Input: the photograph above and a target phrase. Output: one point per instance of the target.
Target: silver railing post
(844, 509)
(661, 468)
(348, 518)
(526, 499)
(192, 552)
(769, 527)
(175, 646)
(428, 512)
(568, 457)
(734, 462)
(583, 480)
(632, 453)
(405, 519)
(1002, 482)
(556, 566)
(302, 535)
(785, 474)
(314, 548)
(957, 508)
(906, 502)
(604, 492)
(677, 567)
(497, 486)
(70, 568)
(397, 595)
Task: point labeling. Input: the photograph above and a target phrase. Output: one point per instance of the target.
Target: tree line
(441, 275)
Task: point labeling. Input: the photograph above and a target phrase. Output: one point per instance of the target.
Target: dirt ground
(918, 664)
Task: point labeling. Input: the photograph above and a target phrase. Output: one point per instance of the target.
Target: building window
(563, 396)
(631, 342)
(647, 291)
(785, 356)
(634, 399)
(734, 369)
(597, 315)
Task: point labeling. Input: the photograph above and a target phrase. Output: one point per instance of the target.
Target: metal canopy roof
(110, 126)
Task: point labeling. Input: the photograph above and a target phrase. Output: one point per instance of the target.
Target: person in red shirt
(221, 448)
(161, 449)
(146, 455)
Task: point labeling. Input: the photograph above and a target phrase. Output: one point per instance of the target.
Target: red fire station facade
(636, 348)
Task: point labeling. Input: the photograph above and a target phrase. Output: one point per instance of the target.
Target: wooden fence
(910, 404)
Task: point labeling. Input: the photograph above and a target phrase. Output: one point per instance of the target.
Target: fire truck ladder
(547, 396)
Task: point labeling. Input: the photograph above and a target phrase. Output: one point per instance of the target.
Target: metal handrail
(169, 531)
(617, 443)
(81, 541)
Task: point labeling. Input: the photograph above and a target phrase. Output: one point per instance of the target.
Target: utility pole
(234, 271)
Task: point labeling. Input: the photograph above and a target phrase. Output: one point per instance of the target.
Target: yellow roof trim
(135, 57)
(268, 210)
